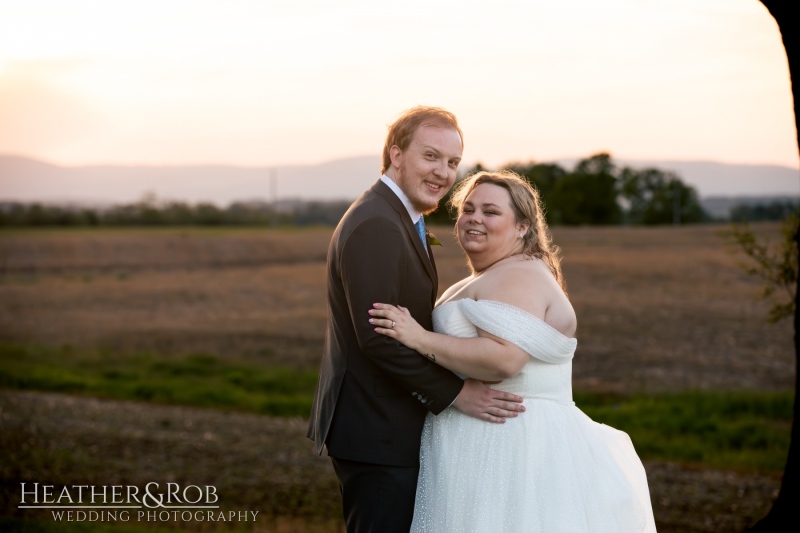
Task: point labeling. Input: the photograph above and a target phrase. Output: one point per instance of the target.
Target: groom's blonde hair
(527, 206)
(403, 129)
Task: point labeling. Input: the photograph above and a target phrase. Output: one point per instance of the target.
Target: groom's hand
(479, 401)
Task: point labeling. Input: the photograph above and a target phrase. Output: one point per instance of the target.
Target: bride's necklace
(499, 261)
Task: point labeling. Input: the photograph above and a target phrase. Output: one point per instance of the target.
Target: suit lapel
(427, 260)
(435, 276)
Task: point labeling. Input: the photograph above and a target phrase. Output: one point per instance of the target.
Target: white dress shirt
(413, 213)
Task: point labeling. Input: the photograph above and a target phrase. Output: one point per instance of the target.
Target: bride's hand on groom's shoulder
(397, 322)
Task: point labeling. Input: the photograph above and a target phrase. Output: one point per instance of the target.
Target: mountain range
(28, 180)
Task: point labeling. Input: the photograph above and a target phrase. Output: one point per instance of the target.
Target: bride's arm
(485, 357)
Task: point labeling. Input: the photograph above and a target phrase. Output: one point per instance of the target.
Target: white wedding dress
(552, 469)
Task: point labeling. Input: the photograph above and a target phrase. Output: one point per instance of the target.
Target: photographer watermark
(124, 503)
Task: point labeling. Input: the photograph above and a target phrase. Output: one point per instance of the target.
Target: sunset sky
(300, 81)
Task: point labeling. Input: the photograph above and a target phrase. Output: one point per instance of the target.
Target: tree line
(775, 210)
(151, 211)
(594, 192)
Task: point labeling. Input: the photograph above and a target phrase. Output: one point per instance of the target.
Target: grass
(744, 430)
(198, 380)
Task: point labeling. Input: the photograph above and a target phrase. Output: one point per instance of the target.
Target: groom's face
(426, 170)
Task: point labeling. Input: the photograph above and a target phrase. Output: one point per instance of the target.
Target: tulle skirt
(552, 469)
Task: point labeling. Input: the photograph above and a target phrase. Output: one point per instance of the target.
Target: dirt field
(658, 308)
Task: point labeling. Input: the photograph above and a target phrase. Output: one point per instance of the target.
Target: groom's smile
(426, 170)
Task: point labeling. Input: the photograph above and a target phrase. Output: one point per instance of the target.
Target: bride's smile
(488, 228)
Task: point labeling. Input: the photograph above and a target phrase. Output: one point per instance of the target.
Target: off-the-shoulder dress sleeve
(530, 333)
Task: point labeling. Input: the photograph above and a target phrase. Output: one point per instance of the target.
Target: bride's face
(487, 225)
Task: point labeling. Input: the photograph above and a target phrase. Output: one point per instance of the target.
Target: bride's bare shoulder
(531, 286)
(527, 284)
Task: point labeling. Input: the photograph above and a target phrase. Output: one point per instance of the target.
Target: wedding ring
(392, 324)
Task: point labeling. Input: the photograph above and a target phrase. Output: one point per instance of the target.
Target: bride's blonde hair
(527, 206)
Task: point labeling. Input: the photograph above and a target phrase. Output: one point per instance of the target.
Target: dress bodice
(548, 373)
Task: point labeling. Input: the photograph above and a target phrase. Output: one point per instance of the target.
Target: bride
(511, 324)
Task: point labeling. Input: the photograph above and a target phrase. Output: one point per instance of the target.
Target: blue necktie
(420, 225)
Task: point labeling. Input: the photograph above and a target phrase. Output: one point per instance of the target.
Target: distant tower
(273, 185)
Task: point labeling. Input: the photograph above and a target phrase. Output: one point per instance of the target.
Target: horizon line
(557, 160)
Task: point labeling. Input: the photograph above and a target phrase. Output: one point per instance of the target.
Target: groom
(374, 393)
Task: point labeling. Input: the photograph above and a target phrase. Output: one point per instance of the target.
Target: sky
(254, 83)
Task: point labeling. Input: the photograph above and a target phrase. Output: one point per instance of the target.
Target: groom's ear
(395, 153)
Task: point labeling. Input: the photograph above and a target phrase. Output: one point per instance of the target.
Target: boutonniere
(432, 240)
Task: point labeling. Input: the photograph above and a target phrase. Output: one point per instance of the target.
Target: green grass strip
(198, 380)
(747, 430)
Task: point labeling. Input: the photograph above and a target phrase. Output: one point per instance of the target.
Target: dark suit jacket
(373, 393)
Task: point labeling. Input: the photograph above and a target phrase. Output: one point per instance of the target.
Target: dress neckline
(503, 304)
